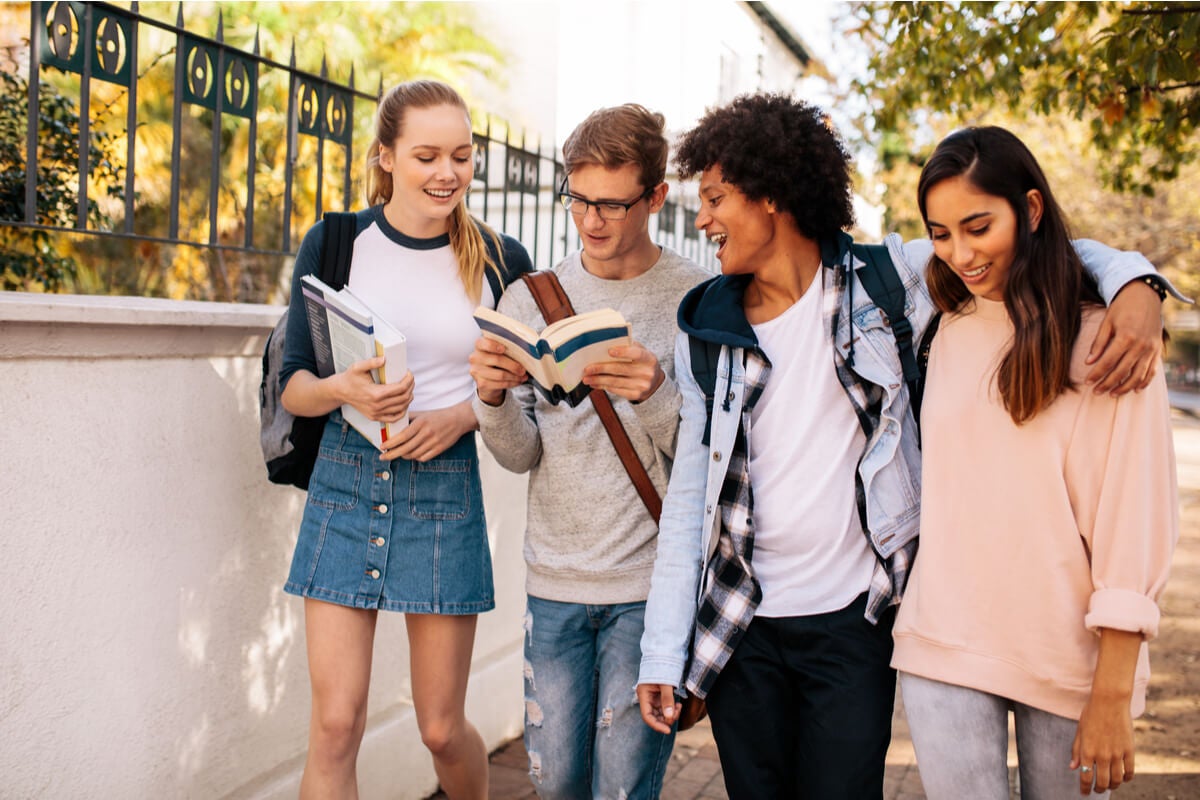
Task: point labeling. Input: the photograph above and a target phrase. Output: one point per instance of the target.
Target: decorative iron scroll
(239, 83)
(63, 43)
(322, 110)
(521, 171)
(479, 155)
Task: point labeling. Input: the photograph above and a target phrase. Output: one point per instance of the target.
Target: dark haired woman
(1049, 511)
(403, 532)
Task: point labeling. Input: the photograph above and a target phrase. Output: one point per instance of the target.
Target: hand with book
(378, 402)
(493, 371)
(554, 360)
(429, 433)
(634, 373)
(350, 344)
(307, 395)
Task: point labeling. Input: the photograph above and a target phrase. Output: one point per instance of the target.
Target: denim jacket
(868, 364)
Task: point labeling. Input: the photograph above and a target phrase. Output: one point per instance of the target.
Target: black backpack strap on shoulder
(879, 277)
(494, 282)
(704, 357)
(340, 229)
(923, 367)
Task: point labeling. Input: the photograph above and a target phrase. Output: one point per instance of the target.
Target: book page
(557, 357)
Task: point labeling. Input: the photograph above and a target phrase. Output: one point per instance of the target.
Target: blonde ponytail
(466, 232)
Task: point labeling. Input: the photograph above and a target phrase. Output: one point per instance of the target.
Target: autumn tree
(379, 43)
(1131, 71)
(28, 259)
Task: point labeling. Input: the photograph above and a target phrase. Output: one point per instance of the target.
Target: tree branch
(1161, 11)
(1158, 87)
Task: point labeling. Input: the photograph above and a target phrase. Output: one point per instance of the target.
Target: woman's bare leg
(440, 659)
(340, 643)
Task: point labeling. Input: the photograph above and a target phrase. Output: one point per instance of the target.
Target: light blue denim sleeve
(917, 253)
(1112, 269)
(671, 606)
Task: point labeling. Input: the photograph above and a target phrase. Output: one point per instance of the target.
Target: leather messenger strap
(554, 304)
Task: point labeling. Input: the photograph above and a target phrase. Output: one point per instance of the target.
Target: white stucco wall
(147, 649)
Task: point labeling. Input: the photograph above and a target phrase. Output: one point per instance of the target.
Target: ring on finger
(1085, 769)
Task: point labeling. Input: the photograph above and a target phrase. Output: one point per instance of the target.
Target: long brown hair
(466, 230)
(1047, 285)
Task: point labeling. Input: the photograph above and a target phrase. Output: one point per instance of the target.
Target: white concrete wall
(147, 649)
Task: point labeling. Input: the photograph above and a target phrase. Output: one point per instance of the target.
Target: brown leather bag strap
(554, 304)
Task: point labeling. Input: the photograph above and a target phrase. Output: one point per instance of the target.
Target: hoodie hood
(833, 251)
(712, 311)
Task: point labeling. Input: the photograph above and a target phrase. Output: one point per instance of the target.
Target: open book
(345, 330)
(555, 358)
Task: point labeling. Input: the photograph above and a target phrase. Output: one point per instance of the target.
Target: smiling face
(743, 229)
(975, 233)
(431, 166)
(613, 246)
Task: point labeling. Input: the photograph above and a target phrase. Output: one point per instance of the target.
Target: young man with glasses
(589, 540)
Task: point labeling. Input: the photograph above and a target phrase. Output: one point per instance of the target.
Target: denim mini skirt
(399, 536)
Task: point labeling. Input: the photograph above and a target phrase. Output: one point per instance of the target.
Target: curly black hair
(776, 147)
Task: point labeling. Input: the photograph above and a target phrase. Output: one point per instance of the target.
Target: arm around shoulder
(1113, 269)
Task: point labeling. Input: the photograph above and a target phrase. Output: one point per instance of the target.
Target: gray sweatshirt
(588, 537)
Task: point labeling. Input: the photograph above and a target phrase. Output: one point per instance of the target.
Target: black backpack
(879, 277)
(290, 443)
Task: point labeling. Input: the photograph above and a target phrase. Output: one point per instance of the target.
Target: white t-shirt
(419, 292)
(810, 553)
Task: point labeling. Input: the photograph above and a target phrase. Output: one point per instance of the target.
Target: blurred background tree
(1131, 71)
(29, 260)
(1106, 95)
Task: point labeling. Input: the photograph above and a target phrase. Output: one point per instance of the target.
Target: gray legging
(961, 739)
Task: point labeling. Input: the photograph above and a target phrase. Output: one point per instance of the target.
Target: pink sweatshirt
(1034, 536)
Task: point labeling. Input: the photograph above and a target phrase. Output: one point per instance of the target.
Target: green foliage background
(375, 44)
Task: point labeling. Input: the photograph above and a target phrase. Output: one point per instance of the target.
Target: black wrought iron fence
(252, 150)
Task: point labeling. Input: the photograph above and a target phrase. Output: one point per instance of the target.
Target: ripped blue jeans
(583, 730)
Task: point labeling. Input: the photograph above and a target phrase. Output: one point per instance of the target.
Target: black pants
(803, 709)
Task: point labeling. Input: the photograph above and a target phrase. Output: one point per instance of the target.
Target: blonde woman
(402, 531)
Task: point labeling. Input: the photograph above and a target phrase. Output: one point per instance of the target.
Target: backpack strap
(704, 357)
(494, 282)
(554, 304)
(879, 277)
(923, 368)
(340, 229)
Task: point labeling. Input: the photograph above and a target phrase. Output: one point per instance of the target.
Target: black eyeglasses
(606, 209)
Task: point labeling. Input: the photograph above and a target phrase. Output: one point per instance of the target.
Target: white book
(344, 330)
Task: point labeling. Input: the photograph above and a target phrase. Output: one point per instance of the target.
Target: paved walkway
(1168, 736)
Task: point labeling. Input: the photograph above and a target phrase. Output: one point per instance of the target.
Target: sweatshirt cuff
(493, 417)
(659, 413)
(1122, 610)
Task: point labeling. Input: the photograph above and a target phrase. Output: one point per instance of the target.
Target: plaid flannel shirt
(733, 594)
(890, 575)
